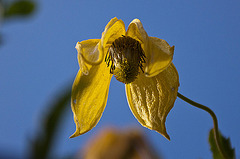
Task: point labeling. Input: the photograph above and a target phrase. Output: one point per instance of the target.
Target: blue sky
(38, 59)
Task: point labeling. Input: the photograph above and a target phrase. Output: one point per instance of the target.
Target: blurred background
(38, 63)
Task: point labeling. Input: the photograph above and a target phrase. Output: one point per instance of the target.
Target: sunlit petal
(110, 23)
(114, 29)
(88, 54)
(136, 31)
(89, 97)
(159, 56)
(151, 99)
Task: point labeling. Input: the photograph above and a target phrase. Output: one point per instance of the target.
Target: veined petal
(89, 97)
(151, 99)
(114, 29)
(159, 56)
(88, 54)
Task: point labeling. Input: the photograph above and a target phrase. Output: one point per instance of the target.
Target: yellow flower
(142, 62)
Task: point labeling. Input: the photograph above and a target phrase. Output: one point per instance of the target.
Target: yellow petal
(158, 52)
(88, 54)
(136, 31)
(114, 29)
(110, 23)
(89, 97)
(159, 56)
(151, 99)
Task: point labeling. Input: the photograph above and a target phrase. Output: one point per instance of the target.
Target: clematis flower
(142, 63)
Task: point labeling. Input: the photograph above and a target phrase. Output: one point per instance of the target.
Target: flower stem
(215, 122)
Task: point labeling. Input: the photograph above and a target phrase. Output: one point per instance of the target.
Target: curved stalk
(215, 122)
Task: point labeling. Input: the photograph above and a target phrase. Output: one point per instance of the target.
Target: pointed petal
(89, 97)
(151, 99)
(114, 29)
(159, 56)
(88, 54)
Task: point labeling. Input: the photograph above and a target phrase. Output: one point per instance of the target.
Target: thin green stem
(215, 122)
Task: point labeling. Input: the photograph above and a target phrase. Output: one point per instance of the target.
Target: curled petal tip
(136, 20)
(167, 136)
(74, 135)
(163, 133)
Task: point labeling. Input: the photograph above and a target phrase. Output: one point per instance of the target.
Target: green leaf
(42, 144)
(226, 144)
(22, 8)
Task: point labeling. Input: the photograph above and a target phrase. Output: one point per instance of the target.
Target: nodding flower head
(143, 63)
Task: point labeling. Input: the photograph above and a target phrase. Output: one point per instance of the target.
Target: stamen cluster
(125, 56)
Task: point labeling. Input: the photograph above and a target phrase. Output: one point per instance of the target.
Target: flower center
(126, 56)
